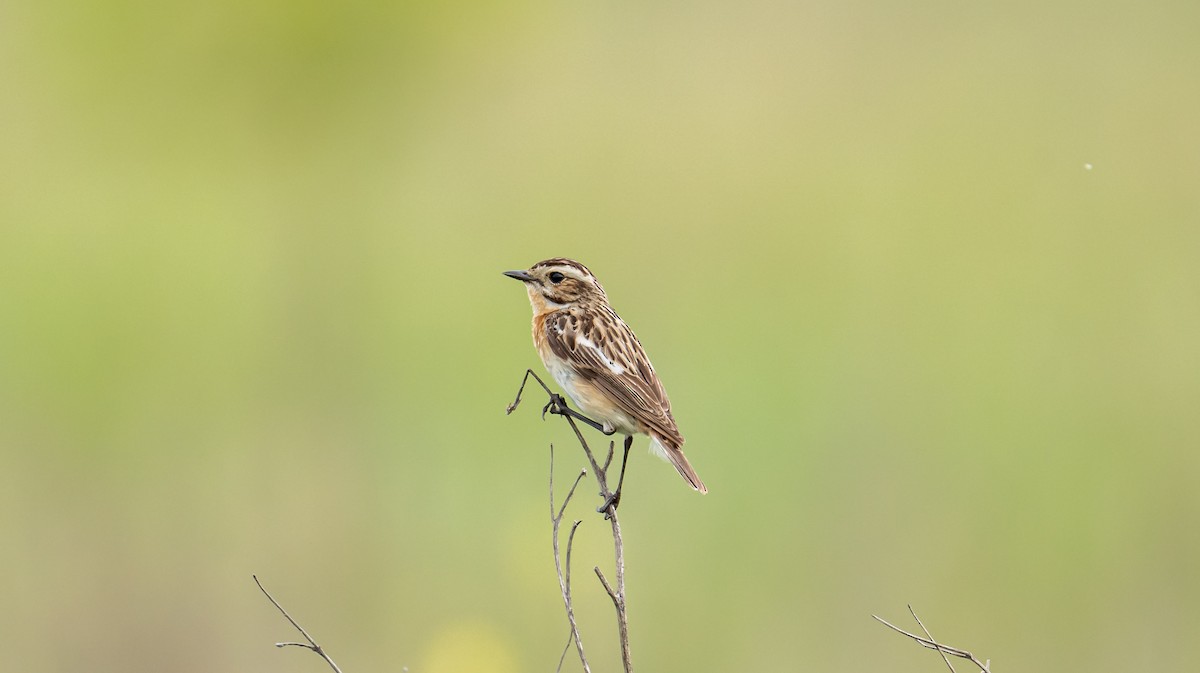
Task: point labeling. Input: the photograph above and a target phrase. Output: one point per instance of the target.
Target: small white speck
(1087, 167)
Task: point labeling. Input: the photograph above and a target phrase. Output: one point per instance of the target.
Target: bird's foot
(611, 501)
(557, 405)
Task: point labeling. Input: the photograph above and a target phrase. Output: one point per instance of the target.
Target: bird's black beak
(522, 276)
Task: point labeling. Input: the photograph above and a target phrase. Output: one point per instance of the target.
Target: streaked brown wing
(605, 352)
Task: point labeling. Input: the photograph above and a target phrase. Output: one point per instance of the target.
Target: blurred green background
(922, 281)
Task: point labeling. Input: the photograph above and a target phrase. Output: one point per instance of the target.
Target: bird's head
(559, 282)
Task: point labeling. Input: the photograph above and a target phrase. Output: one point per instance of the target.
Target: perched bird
(599, 362)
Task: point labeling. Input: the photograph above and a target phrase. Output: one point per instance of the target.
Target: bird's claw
(612, 501)
(554, 406)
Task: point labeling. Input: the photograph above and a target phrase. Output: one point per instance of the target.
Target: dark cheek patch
(564, 292)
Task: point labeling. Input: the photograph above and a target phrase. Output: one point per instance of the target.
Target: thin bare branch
(607, 587)
(563, 657)
(618, 552)
(570, 546)
(557, 406)
(312, 644)
(928, 642)
(930, 636)
(570, 493)
(564, 574)
(516, 401)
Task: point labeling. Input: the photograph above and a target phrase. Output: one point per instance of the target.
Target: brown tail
(675, 456)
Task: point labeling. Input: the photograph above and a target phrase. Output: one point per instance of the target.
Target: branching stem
(927, 641)
(311, 645)
(564, 574)
(616, 590)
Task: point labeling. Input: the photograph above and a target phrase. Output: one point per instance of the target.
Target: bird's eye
(556, 277)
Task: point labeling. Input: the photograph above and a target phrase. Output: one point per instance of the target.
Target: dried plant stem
(564, 574)
(616, 593)
(927, 641)
(311, 644)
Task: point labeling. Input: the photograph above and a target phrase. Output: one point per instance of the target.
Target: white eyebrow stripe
(572, 273)
(612, 366)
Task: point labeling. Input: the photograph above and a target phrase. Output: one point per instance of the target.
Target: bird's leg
(556, 405)
(614, 498)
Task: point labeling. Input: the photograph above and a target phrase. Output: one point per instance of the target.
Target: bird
(597, 359)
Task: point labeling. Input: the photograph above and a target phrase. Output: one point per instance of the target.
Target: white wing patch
(613, 367)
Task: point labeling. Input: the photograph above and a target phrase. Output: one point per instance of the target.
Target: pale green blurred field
(922, 281)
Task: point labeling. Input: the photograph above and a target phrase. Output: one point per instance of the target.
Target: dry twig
(564, 574)
(927, 641)
(616, 593)
(311, 644)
